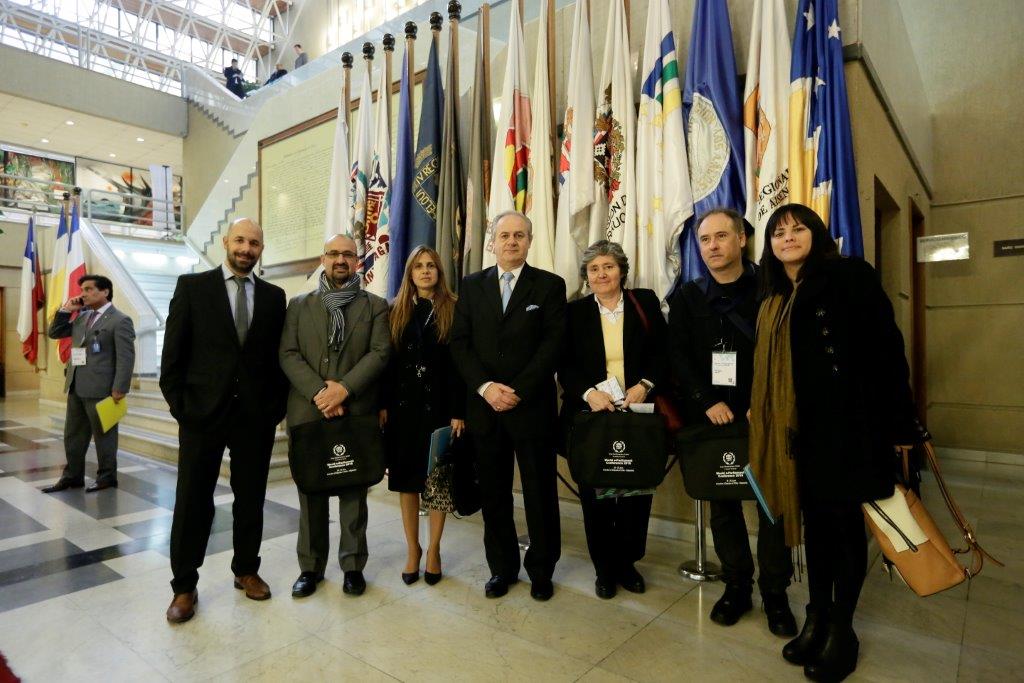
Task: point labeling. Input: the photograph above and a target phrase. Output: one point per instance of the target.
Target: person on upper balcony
(233, 79)
(280, 71)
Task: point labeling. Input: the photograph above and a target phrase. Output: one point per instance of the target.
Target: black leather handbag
(328, 456)
(712, 459)
(465, 478)
(620, 450)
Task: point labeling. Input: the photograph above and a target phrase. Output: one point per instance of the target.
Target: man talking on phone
(102, 360)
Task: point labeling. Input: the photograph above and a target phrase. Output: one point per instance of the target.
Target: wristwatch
(648, 385)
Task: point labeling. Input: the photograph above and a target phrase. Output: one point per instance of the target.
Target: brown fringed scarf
(773, 418)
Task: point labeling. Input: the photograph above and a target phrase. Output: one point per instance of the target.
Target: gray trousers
(82, 424)
(314, 544)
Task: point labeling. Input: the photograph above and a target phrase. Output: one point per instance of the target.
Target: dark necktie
(241, 310)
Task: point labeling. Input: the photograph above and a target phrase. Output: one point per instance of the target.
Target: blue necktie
(506, 290)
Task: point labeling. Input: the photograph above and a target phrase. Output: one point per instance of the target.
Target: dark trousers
(199, 457)
(82, 424)
(837, 555)
(314, 546)
(774, 560)
(616, 530)
(496, 452)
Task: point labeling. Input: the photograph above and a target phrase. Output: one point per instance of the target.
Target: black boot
(780, 618)
(806, 646)
(733, 604)
(838, 658)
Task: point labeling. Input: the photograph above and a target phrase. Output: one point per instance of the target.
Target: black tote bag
(328, 456)
(622, 450)
(713, 458)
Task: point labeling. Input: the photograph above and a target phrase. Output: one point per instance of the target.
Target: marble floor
(84, 585)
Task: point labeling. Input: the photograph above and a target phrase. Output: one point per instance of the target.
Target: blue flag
(427, 164)
(401, 188)
(821, 170)
(714, 126)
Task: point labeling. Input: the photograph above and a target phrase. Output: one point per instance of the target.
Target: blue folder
(758, 493)
(439, 440)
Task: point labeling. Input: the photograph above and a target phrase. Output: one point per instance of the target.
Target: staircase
(149, 430)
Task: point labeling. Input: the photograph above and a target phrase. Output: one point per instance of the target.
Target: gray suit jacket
(301, 60)
(108, 369)
(359, 366)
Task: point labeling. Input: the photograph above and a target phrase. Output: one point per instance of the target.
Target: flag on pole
(510, 168)
(540, 193)
(401, 190)
(821, 170)
(59, 269)
(75, 269)
(362, 157)
(576, 156)
(614, 214)
(662, 173)
(478, 178)
(714, 126)
(338, 217)
(450, 183)
(766, 116)
(375, 259)
(32, 297)
(427, 162)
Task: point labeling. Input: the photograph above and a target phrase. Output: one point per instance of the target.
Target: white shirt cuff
(483, 387)
(587, 393)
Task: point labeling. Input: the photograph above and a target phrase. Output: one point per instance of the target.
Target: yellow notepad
(110, 413)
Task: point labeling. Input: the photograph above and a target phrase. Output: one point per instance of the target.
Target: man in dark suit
(221, 378)
(233, 79)
(717, 315)
(334, 350)
(506, 340)
(102, 360)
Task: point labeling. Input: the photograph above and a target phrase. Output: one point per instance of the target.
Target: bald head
(339, 259)
(243, 245)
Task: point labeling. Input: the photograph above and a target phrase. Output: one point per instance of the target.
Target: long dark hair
(772, 275)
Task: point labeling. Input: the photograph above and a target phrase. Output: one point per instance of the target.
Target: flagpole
(346, 65)
(389, 50)
(485, 28)
(454, 14)
(551, 91)
(411, 29)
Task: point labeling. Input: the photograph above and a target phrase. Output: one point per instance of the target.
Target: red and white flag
(32, 298)
(75, 269)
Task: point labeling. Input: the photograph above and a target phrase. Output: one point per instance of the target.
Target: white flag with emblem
(540, 192)
(362, 156)
(766, 116)
(378, 198)
(662, 173)
(338, 217)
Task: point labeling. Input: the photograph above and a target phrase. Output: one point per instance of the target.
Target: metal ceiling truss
(146, 41)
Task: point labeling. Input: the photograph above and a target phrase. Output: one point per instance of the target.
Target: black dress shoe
(838, 658)
(631, 580)
(354, 583)
(100, 485)
(780, 618)
(305, 585)
(431, 578)
(497, 586)
(409, 578)
(63, 485)
(806, 646)
(542, 589)
(731, 606)
(604, 588)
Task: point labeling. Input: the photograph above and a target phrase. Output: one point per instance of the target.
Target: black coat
(852, 384)
(519, 347)
(698, 323)
(583, 363)
(203, 366)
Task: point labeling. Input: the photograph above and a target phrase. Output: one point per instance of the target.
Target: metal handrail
(141, 207)
(43, 195)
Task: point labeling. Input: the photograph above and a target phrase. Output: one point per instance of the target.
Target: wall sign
(952, 247)
(1008, 247)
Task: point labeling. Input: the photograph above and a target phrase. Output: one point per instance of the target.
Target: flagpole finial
(368, 50)
(389, 42)
(411, 29)
(454, 10)
(436, 20)
(346, 60)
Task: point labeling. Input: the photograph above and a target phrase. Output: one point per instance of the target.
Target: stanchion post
(699, 568)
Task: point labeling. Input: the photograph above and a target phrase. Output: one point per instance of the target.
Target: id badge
(723, 368)
(78, 355)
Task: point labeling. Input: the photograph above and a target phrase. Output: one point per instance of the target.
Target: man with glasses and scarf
(334, 349)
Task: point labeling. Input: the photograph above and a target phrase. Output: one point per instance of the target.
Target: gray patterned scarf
(335, 300)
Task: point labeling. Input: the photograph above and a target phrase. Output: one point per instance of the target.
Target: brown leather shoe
(183, 607)
(255, 588)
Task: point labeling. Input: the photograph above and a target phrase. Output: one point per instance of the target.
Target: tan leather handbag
(912, 544)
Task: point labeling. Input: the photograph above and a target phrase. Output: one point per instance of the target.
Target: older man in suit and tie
(334, 350)
(102, 360)
(506, 341)
(222, 381)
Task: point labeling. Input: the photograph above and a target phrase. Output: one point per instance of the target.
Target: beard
(338, 276)
(238, 266)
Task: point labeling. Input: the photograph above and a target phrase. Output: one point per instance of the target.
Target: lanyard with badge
(78, 353)
(723, 360)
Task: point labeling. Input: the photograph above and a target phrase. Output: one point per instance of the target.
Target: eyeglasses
(335, 255)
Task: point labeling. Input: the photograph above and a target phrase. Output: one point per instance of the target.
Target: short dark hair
(101, 282)
(733, 214)
(298, 46)
(772, 274)
(233, 61)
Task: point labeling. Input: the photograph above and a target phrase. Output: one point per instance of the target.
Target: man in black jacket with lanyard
(715, 317)
(505, 341)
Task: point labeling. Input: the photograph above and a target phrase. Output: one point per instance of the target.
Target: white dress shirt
(516, 272)
(232, 289)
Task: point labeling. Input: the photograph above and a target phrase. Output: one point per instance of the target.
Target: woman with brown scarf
(830, 400)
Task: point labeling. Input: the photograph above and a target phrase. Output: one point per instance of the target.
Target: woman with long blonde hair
(424, 393)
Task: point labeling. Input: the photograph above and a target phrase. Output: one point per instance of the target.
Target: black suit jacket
(203, 365)
(519, 348)
(583, 362)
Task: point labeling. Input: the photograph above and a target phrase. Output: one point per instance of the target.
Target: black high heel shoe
(409, 578)
(430, 577)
